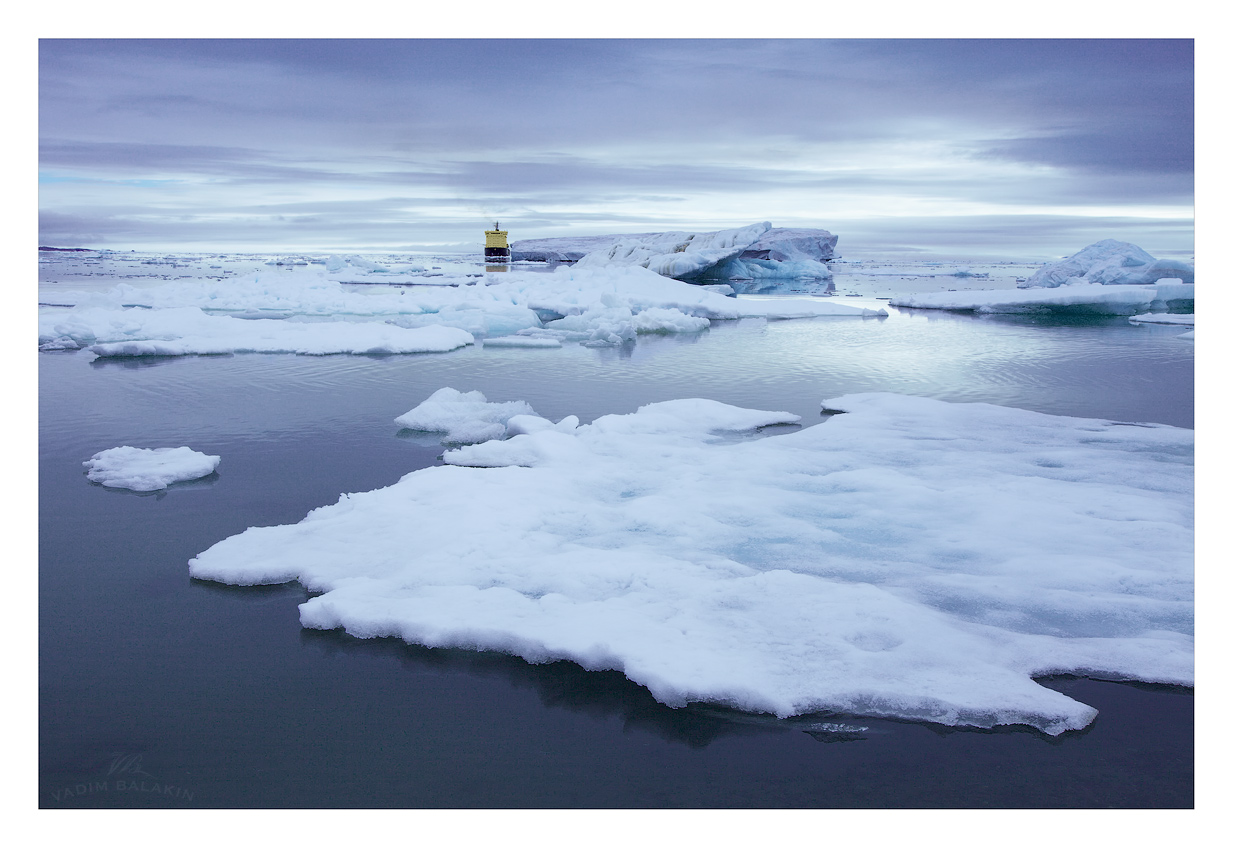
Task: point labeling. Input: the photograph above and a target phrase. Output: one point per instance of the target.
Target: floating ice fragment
(463, 417)
(145, 470)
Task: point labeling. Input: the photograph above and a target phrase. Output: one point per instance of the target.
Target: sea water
(160, 691)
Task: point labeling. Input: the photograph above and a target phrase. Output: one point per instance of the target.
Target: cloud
(653, 131)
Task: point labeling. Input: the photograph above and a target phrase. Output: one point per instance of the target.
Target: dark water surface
(160, 691)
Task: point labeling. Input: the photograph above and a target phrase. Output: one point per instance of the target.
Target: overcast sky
(1027, 149)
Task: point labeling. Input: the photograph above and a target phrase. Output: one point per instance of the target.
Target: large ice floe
(1110, 262)
(1090, 299)
(758, 251)
(147, 470)
(906, 558)
(303, 310)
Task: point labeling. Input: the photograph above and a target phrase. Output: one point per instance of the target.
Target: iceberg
(758, 251)
(906, 558)
(146, 470)
(1110, 262)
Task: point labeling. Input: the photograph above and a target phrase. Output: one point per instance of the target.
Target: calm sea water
(160, 691)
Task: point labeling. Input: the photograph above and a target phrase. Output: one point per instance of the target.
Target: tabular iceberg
(758, 251)
(908, 558)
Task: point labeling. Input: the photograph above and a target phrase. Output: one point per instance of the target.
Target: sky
(1025, 149)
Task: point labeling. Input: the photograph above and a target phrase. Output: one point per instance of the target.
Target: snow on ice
(758, 250)
(1110, 262)
(745, 253)
(1106, 278)
(464, 417)
(1073, 298)
(907, 558)
(1088, 299)
(1162, 318)
(312, 313)
(145, 470)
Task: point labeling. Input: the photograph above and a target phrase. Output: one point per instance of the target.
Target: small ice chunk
(1162, 318)
(145, 470)
(464, 417)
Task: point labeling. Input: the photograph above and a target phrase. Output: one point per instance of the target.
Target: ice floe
(1162, 318)
(1110, 262)
(1089, 299)
(463, 417)
(907, 558)
(311, 313)
(188, 330)
(147, 470)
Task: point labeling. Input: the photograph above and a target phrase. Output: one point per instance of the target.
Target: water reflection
(563, 684)
(182, 485)
(559, 685)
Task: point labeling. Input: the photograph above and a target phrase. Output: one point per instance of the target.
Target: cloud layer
(418, 144)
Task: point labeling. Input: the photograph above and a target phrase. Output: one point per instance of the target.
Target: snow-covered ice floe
(464, 417)
(189, 330)
(1162, 318)
(908, 558)
(313, 314)
(146, 470)
(1089, 299)
(1110, 262)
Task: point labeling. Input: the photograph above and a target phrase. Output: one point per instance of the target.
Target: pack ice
(303, 310)
(906, 558)
(146, 470)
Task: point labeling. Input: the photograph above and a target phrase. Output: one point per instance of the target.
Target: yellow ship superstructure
(496, 244)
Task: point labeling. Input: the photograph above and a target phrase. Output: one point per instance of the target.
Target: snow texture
(463, 417)
(1110, 262)
(1088, 299)
(753, 252)
(145, 470)
(777, 251)
(908, 558)
(1162, 318)
(302, 310)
